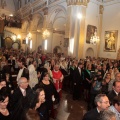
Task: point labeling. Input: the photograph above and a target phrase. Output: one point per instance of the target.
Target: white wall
(92, 18)
(111, 21)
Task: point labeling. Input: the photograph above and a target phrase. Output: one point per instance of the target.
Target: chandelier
(94, 39)
(46, 34)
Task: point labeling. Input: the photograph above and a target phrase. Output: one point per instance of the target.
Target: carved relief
(77, 2)
(101, 8)
(25, 26)
(118, 54)
(34, 22)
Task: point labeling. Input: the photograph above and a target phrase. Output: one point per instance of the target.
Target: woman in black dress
(41, 106)
(4, 99)
(87, 81)
(51, 94)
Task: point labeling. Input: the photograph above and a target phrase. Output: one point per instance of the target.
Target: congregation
(31, 85)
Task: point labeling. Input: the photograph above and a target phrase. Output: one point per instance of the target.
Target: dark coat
(19, 104)
(78, 78)
(111, 95)
(91, 115)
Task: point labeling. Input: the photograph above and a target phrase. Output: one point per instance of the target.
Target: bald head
(23, 82)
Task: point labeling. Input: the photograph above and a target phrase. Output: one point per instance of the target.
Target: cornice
(77, 2)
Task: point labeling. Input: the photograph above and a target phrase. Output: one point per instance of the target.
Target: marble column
(75, 27)
(101, 8)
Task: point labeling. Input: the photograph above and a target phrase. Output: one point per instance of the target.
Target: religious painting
(111, 40)
(90, 32)
(66, 42)
(1, 26)
(8, 42)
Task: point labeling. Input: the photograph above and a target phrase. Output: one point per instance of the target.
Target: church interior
(62, 26)
(72, 28)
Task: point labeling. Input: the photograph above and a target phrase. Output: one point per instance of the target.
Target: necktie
(80, 71)
(24, 93)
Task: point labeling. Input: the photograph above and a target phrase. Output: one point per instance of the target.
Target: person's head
(11, 57)
(102, 102)
(110, 70)
(2, 83)
(4, 99)
(38, 99)
(116, 86)
(20, 64)
(41, 94)
(32, 114)
(116, 103)
(45, 76)
(89, 66)
(80, 65)
(56, 67)
(23, 82)
(117, 76)
(107, 115)
(34, 63)
(108, 75)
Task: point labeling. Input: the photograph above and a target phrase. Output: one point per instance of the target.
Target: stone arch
(57, 49)
(90, 52)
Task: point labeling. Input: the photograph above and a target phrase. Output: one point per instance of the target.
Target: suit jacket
(78, 78)
(91, 115)
(11, 62)
(19, 104)
(111, 95)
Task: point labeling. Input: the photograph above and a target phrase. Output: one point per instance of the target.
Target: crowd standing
(32, 84)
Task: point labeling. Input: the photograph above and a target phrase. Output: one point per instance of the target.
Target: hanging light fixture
(46, 34)
(94, 39)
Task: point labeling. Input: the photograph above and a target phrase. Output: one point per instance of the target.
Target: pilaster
(101, 9)
(75, 27)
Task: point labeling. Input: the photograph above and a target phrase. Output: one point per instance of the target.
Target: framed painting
(111, 40)
(90, 32)
(8, 42)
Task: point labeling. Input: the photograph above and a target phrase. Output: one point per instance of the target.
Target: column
(100, 27)
(75, 27)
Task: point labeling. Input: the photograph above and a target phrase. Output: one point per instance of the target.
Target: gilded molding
(77, 2)
(101, 8)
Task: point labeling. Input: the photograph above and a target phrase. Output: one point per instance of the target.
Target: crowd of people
(40, 78)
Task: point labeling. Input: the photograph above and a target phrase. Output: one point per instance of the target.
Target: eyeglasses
(106, 102)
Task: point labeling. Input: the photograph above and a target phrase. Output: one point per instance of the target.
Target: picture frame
(111, 38)
(90, 32)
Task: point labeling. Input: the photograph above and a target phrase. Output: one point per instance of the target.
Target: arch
(89, 52)
(57, 49)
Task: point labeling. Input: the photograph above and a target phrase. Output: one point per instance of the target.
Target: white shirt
(113, 109)
(116, 93)
(79, 70)
(23, 91)
(20, 73)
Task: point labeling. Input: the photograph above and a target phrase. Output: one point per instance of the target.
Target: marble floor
(70, 109)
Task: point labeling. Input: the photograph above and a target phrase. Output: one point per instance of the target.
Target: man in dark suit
(115, 91)
(77, 82)
(102, 103)
(11, 62)
(21, 99)
(23, 72)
